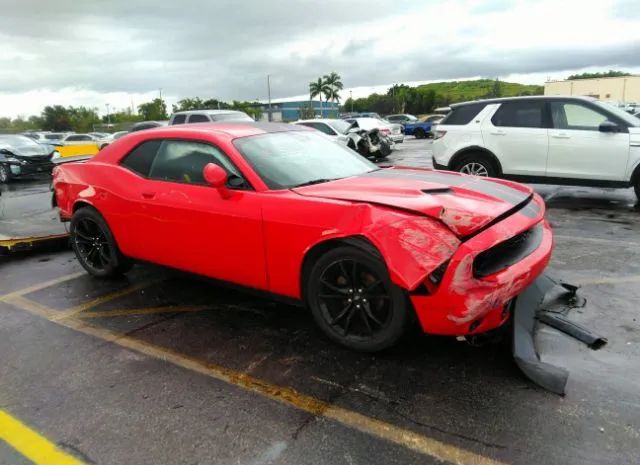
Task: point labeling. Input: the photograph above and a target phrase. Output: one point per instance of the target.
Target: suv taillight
(438, 134)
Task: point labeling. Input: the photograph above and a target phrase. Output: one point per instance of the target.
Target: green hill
(461, 91)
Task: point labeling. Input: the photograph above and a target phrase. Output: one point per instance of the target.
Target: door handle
(561, 135)
(498, 132)
(148, 195)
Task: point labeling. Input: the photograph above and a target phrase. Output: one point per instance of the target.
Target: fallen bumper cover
(546, 300)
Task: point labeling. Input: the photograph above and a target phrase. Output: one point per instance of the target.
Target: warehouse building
(289, 109)
(624, 89)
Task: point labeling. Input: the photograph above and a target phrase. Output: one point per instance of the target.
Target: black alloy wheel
(419, 133)
(94, 245)
(354, 302)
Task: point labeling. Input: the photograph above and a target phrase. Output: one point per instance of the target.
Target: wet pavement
(163, 368)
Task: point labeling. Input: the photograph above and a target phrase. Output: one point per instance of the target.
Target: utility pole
(160, 93)
(269, 96)
(108, 117)
(351, 98)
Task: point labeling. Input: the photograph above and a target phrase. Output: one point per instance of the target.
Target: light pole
(269, 96)
(108, 116)
(351, 98)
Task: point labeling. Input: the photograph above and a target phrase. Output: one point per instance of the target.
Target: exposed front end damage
(547, 300)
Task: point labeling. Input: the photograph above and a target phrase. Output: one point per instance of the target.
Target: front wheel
(353, 300)
(419, 133)
(94, 245)
(5, 174)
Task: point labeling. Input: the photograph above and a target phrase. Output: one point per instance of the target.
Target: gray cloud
(225, 48)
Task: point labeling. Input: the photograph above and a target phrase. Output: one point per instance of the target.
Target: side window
(323, 128)
(526, 114)
(197, 118)
(78, 138)
(179, 119)
(140, 159)
(184, 161)
(463, 114)
(575, 116)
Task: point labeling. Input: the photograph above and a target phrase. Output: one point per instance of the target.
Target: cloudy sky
(121, 52)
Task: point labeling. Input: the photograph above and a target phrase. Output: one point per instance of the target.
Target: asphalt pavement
(162, 368)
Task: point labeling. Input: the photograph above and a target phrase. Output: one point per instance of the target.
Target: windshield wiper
(313, 181)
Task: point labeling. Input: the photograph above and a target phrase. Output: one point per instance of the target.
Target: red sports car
(280, 208)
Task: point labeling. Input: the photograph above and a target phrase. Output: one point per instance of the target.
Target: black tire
(5, 174)
(94, 245)
(419, 133)
(477, 163)
(353, 300)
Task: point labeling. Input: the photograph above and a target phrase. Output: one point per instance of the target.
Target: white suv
(551, 140)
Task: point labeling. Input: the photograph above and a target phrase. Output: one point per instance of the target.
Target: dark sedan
(21, 156)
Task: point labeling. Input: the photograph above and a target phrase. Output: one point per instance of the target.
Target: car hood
(29, 151)
(464, 203)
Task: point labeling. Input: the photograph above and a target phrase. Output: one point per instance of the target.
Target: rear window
(464, 114)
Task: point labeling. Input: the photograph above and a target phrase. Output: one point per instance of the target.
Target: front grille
(507, 253)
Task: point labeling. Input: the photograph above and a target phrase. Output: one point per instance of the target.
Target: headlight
(55, 155)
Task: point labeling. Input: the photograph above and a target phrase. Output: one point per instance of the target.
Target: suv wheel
(477, 164)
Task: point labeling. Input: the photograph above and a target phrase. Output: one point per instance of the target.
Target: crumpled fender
(413, 247)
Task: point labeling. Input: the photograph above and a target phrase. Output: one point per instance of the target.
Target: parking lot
(163, 368)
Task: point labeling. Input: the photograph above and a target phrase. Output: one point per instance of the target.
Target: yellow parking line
(37, 287)
(73, 311)
(376, 428)
(143, 311)
(31, 445)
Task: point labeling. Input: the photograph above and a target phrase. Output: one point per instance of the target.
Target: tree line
(83, 119)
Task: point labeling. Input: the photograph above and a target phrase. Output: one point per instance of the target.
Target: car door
(184, 223)
(517, 135)
(577, 147)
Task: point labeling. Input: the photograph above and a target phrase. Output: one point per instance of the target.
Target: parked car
(111, 137)
(282, 209)
(208, 116)
(419, 129)
(368, 143)
(392, 130)
(401, 119)
(22, 156)
(552, 140)
(142, 125)
(366, 114)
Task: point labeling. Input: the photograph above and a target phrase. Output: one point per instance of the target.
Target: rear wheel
(420, 133)
(94, 245)
(477, 164)
(353, 300)
(5, 174)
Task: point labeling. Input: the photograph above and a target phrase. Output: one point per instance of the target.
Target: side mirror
(216, 177)
(608, 126)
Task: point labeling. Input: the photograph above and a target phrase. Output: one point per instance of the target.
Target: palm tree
(318, 88)
(334, 82)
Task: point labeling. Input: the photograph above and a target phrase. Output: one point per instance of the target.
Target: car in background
(142, 125)
(366, 114)
(551, 140)
(371, 143)
(99, 135)
(281, 209)
(418, 129)
(22, 156)
(109, 138)
(336, 129)
(401, 118)
(391, 130)
(208, 116)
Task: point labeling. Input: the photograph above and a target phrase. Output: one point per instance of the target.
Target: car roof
(230, 129)
(523, 97)
(205, 111)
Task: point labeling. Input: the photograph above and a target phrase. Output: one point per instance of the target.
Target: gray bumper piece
(546, 300)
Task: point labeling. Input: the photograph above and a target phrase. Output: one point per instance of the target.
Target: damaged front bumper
(547, 301)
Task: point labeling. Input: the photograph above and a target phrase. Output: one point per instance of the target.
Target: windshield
(17, 142)
(53, 136)
(341, 126)
(293, 158)
(630, 119)
(232, 117)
